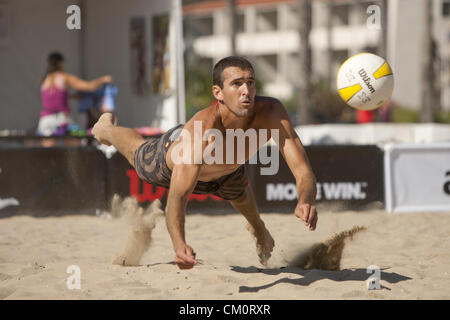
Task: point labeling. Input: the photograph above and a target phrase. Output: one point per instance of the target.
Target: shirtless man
(237, 107)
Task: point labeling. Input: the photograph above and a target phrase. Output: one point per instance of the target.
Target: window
(266, 21)
(340, 15)
(240, 22)
(198, 25)
(446, 8)
(266, 67)
(337, 59)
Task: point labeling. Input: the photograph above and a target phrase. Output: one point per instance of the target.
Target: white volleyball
(365, 81)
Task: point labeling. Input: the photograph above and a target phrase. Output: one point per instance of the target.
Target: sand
(412, 251)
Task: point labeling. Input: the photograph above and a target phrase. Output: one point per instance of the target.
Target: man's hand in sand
(185, 257)
(308, 214)
(100, 128)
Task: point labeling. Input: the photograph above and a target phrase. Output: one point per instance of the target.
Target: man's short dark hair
(232, 61)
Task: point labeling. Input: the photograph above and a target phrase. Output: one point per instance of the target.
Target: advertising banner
(57, 181)
(124, 181)
(417, 177)
(51, 181)
(348, 177)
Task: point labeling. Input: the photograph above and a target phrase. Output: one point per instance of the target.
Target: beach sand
(411, 250)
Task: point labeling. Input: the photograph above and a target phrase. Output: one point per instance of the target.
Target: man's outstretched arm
(293, 152)
(182, 183)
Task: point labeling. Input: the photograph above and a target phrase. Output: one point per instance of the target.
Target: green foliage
(198, 90)
(291, 103)
(327, 107)
(401, 114)
(443, 117)
(198, 83)
(186, 2)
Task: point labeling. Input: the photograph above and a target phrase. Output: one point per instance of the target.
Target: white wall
(405, 41)
(107, 51)
(406, 38)
(442, 34)
(36, 27)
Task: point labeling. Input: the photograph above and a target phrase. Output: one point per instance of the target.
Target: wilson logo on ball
(365, 81)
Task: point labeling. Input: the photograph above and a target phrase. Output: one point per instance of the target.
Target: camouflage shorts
(150, 164)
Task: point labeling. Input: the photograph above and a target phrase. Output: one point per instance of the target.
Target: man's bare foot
(264, 244)
(99, 130)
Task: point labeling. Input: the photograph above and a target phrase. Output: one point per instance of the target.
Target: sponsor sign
(124, 181)
(417, 177)
(57, 181)
(51, 181)
(348, 177)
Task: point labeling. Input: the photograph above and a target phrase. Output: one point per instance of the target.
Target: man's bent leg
(246, 205)
(125, 140)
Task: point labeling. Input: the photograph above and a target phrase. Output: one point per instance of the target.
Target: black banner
(124, 181)
(56, 181)
(51, 181)
(348, 177)
(221, 309)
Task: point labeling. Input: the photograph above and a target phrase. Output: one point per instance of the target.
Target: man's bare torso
(212, 118)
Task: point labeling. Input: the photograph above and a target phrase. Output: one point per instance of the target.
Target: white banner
(374, 133)
(417, 177)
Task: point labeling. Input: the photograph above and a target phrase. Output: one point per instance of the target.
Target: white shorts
(53, 124)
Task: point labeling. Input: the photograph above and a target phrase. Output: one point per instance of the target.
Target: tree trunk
(329, 78)
(426, 112)
(382, 45)
(231, 4)
(436, 84)
(305, 85)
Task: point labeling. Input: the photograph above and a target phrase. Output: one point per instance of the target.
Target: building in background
(267, 33)
(116, 38)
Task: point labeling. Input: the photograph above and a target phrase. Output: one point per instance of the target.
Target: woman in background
(55, 113)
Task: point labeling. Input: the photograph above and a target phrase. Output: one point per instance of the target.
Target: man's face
(238, 92)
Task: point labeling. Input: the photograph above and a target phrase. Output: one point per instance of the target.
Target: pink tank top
(54, 99)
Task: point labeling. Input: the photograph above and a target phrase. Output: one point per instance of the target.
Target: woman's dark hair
(232, 61)
(54, 62)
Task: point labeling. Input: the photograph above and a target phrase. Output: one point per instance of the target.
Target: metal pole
(180, 86)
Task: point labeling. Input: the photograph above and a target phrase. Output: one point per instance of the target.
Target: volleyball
(365, 81)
